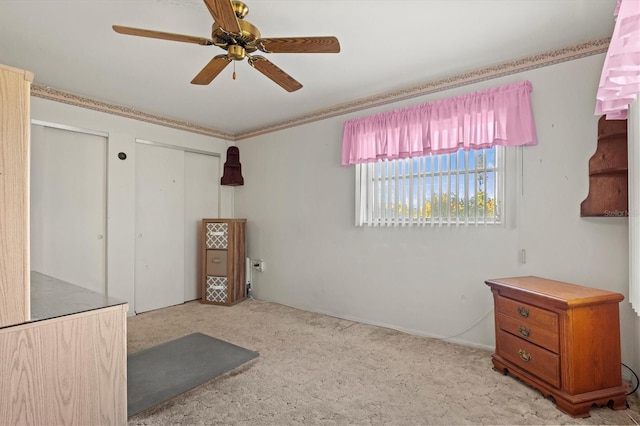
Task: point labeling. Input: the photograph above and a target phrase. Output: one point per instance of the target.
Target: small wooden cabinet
(562, 339)
(223, 261)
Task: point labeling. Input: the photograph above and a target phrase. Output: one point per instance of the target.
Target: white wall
(121, 178)
(634, 214)
(299, 203)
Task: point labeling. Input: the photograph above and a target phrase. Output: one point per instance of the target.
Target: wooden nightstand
(562, 339)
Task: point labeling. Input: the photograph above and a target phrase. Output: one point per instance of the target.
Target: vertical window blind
(463, 188)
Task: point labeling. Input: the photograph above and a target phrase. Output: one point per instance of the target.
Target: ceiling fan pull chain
(234, 70)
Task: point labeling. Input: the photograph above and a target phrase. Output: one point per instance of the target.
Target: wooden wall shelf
(608, 172)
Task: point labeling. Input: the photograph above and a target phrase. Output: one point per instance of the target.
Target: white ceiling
(385, 46)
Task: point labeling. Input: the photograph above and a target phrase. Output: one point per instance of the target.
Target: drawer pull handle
(523, 312)
(524, 331)
(524, 355)
(216, 260)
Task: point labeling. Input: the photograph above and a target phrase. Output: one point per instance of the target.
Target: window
(462, 188)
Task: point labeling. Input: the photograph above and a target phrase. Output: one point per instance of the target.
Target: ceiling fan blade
(278, 76)
(223, 14)
(299, 45)
(211, 70)
(162, 35)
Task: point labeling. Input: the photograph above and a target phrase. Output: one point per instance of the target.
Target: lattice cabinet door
(223, 261)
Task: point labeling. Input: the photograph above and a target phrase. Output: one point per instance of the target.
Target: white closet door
(68, 206)
(159, 275)
(202, 176)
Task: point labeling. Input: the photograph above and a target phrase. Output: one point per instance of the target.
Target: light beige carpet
(314, 369)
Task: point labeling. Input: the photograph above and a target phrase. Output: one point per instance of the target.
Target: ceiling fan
(241, 39)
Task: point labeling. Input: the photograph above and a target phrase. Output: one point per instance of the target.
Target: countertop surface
(51, 298)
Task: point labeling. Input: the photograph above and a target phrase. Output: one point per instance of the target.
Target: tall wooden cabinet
(15, 88)
(562, 339)
(223, 261)
(56, 366)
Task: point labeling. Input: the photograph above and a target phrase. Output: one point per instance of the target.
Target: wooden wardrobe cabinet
(15, 89)
(562, 339)
(223, 261)
(63, 354)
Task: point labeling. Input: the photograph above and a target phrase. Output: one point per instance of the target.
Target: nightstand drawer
(540, 336)
(537, 361)
(529, 315)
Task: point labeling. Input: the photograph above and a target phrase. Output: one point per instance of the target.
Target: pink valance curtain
(620, 80)
(497, 116)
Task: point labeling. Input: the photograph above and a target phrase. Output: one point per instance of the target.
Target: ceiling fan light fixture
(236, 52)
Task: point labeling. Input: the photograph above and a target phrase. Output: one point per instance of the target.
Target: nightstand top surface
(561, 292)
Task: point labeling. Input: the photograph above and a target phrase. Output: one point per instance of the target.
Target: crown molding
(46, 92)
(552, 57)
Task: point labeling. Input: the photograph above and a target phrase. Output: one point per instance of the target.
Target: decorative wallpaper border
(552, 57)
(46, 92)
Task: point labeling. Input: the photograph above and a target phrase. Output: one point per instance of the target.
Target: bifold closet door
(202, 175)
(159, 264)
(68, 206)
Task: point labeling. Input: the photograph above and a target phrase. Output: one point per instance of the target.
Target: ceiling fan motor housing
(247, 37)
